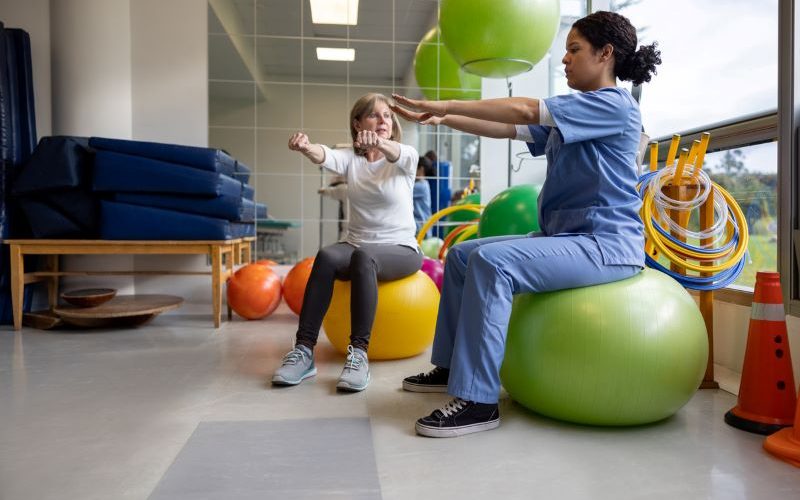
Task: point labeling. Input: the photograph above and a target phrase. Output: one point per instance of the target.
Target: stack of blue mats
(17, 140)
(169, 192)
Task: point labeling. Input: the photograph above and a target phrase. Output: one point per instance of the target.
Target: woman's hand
(314, 152)
(434, 108)
(366, 140)
(299, 142)
(421, 118)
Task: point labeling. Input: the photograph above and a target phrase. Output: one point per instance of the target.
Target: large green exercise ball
(624, 353)
(498, 38)
(463, 216)
(444, 80)
(513, 211)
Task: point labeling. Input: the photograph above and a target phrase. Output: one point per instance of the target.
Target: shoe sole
(345, 387)
(412, 387)
(438, 432)
(282, 381)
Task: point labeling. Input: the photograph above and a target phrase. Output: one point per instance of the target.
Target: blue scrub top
(591, 171)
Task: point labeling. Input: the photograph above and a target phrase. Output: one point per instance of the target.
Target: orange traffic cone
(766, 392)
(785, 444)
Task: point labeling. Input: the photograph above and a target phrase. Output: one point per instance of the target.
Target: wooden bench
(223, 254)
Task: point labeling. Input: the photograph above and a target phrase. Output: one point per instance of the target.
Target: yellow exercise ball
(405, 318)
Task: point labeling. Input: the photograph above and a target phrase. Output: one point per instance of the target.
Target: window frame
(748, 130)
(788, 120)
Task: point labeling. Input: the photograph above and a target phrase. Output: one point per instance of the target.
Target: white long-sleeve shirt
(380, 195)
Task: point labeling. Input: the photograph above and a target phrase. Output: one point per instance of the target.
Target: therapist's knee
(484, 258)
(458, 255)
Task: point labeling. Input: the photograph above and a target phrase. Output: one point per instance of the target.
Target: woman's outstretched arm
(314, 152)
(367, 139)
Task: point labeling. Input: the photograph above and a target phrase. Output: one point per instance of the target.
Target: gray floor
(106, 414)
(255, 460)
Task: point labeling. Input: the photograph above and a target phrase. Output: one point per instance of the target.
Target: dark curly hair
(602, 27)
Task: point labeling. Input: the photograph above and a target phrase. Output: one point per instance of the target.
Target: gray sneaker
(298, 365)
(355, 374)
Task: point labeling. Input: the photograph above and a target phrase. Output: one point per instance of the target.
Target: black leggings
(364, 266)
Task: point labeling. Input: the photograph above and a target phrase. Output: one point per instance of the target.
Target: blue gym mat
(212, 160)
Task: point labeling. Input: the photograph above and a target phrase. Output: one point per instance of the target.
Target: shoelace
(453, 407)
(293, 357)
(353, 361)
(426, 377)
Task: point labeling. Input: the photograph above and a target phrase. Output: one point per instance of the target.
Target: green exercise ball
(624, 353)
(463, 216)
(513, 211)
(431, 246)
(447, 80)
(498, 38)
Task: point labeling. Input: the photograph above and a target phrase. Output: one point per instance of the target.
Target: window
(710, 71)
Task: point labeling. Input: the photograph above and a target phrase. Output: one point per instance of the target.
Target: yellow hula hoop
(442, 213)
(471, 230)
(741, 247)
(646, 212)
(449, 239)
(458, 235)
(709, 256)
(684, 252)
(681, 261)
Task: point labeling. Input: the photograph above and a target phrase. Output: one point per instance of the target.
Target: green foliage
(762, 256)
(755, 192)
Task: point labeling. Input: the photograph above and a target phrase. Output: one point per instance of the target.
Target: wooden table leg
(236, 250)
(236, 253)
(17, 284)
(248, 252)
(52, 282)
(216, 278)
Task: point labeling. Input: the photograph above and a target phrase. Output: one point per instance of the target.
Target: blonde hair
(364, 106)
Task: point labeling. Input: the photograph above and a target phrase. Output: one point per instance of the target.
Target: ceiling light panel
(334, 12)
(331, 54)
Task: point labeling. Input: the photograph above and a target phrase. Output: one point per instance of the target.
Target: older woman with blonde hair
(379, 244)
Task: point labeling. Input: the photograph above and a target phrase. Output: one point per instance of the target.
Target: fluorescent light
(334, 12)
(330, 54)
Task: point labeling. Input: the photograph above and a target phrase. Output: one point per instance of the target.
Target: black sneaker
(433, 381)
(459, 417)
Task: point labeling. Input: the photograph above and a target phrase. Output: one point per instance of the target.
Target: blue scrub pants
(480, 278)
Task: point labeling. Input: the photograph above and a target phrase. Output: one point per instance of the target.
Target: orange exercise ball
(266, 262)
(254, 291)
(294, 285)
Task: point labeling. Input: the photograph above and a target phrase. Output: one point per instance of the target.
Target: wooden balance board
(122, 310)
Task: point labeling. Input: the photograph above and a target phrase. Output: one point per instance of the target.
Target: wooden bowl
(89, 297)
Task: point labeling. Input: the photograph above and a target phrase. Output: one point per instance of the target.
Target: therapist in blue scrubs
(588, 213)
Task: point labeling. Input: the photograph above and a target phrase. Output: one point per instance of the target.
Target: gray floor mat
(287, 459)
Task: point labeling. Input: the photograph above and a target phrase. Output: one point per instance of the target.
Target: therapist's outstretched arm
(513, 110)
(474, 126)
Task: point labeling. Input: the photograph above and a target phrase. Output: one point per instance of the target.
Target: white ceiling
(284, 46)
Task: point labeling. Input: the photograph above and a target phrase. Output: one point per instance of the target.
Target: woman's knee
(362, 261)
(325, 261)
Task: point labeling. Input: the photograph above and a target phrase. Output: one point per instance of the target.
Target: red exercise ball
(254, 291)
(294, 285)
